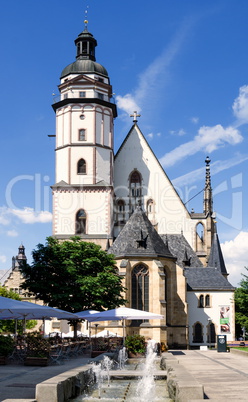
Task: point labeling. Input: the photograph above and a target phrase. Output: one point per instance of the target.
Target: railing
(59, 98)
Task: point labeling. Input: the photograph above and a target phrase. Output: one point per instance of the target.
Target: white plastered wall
(202, 314)
(171, 215)
(96, 205)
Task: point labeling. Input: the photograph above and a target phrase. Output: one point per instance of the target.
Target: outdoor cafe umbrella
(124, 313)
(87, 315)
(11, 309)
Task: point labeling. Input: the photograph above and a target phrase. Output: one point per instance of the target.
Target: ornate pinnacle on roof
(208, 201)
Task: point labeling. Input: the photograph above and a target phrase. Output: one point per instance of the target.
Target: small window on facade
(207, 301)
(149, 207)
(81, 168)
(82, 94)
(201, 301)
(100, 96)
(100, 79)
(65, 96)
(81, 222)
(82, 134)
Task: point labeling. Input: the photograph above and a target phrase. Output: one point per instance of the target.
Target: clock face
(82, 116)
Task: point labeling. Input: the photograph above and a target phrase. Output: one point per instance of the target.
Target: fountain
(122, 358)
(134, 380)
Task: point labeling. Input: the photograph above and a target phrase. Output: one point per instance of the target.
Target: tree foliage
(8, 326)
(241, 305)
(73, 275)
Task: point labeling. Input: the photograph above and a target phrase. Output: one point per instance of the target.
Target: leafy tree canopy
(8, 326)
(73, 275)
(241, 305)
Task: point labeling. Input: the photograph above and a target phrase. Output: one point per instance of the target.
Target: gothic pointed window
(120, 211)
(135, 190)
(140, 287)
(81, 222)
(81, 166)
(199, 236)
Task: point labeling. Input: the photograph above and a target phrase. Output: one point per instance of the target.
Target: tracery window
(135, 190)
(120, 211)
(140, 287)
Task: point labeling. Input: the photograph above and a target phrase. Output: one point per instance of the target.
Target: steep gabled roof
(206, 279)
(139, 238)
(216, 259)
(180, 249)
(136, 128)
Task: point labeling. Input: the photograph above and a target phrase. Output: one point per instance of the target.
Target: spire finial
(135, 115)
(208, 201)
(86, 18)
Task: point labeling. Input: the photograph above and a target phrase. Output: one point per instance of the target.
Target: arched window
(199, 236)
(207, 301)
(140, 287)
(201, 301)
(135, 190)
(150, 207)
(120, 211)
(81, 222)
(81, 167)
(198, 337)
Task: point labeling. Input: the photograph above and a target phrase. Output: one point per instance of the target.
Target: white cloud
(3, 218)
(235, 254)
(3, 258)
(151, 81)
(12, 233)
(216, 167)
(26, 215)
(29, 216)
(208, 139)
(150, 136)
(127, 103)
(240, 105)
(194, 120)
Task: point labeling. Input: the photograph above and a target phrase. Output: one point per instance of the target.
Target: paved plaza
(223, 375)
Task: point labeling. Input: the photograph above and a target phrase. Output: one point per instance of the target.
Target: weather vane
(86, 17)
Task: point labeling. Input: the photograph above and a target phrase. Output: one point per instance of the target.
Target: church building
(170, 259)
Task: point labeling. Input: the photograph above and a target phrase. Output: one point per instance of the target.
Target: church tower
(83, 193)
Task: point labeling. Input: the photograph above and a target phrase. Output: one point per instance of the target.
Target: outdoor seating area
(57, 351)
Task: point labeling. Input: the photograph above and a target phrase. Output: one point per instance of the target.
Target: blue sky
(183, 65)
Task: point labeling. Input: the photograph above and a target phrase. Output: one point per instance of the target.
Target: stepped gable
(139, 238)
(181, 250)
(206, 279)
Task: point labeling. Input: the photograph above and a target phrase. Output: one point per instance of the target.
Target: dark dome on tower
(85, 58)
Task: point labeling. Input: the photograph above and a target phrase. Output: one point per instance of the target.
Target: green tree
(9, 326)
(241, 305)
(73, 275)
